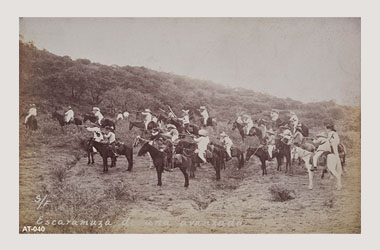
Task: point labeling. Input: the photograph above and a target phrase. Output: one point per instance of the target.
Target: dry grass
(281, 193)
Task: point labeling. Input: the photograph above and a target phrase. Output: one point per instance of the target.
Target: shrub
(281, 193)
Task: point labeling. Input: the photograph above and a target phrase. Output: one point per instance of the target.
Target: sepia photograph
(189, 125)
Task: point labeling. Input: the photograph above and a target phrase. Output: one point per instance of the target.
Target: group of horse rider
(272, 129)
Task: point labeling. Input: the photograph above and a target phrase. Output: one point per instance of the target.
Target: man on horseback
(227, 142)
(172, 133)
(286, 135)
(202, 142)
(275, 122)
(98, 115)
(323, 146)
(147, 117)
(293, 121)
(247, 120)
(32, 112)
(111, 139)
(269, 141)
(97, 136)
(204, 114)
(69, 115)
(185, 119)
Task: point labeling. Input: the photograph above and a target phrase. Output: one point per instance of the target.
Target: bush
(281, 193)
(59, 173)
(119, 192)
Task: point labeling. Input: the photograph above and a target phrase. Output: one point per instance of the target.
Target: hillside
(53, 81)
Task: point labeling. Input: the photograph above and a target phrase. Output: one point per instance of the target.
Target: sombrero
(203, 132)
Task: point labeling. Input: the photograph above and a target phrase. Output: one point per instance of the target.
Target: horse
(187, 149)
(104, 122)
(283, 150)
(140, 124)
(254, 131)
(332, 164)
(211, 122)
(217, 160)
(235, 152)
(159, 160)
(106, 152)
(342, 154)
(31, 124)
(61, 120)
(123, 149)
(261, 154)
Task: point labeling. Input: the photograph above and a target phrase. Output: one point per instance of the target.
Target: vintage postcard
(189, 125)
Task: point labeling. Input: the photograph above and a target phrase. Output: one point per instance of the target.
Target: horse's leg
(159, 170)
(308, 167)
(183, 170)
(130, 160)
(105, 167)
(217, 169)
(92, 157)
(88, 156)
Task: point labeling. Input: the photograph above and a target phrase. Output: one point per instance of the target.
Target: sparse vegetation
(281, 193)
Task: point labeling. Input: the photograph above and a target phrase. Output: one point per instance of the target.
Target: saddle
(322, 160)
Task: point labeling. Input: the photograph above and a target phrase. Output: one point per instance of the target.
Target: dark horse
(196, 115)
(121, 149)
(262, 154)
(255, 131)
(140, 124)
(283, 150)
(159, 161)
(186, 149)
(235, 152)
(104, 122)
(191, 128)
(61, 120)
(31, 124)
(106, 152)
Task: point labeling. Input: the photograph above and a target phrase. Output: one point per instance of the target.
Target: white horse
(332, 165)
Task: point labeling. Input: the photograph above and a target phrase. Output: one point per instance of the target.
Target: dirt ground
(132, 202)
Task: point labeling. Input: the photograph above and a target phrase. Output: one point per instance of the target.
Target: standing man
(69, 115)
(293, 121)
(32, 112)
(333, 138)
(204, 114)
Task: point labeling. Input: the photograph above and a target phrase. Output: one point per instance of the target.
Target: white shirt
(333, 138)
(148, 116)
(202, 142)
(98, 115)
(227, 141)
(32, 111)
(98, 136)
(120, 116)
(204, 113)
(111, 137)
(69, 115)
(185, 119)
(126, 114)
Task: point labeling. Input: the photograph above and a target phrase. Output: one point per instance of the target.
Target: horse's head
(144, 149)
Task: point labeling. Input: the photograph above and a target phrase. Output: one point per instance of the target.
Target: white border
(290, 8)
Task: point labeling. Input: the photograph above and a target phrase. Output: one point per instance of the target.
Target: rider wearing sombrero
(226, 140)
(204, 114)
(97, 114)
(69, 115)
(323, 146)
(147, 117)
(185, 119)
(111, 139)
(202, 141)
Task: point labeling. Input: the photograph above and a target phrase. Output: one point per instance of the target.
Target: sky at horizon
(306, 59)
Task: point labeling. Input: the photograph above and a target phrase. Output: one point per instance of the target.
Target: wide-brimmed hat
(203, 132)
(69, 107)
(95, 109)
(108, 128)
(170, 126)
(322, 134)
(185, 111)
(202, 107)
(223, 134)
(147, 111)
(33, 105)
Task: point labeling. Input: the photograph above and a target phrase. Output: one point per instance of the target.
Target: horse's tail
(131, 158)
